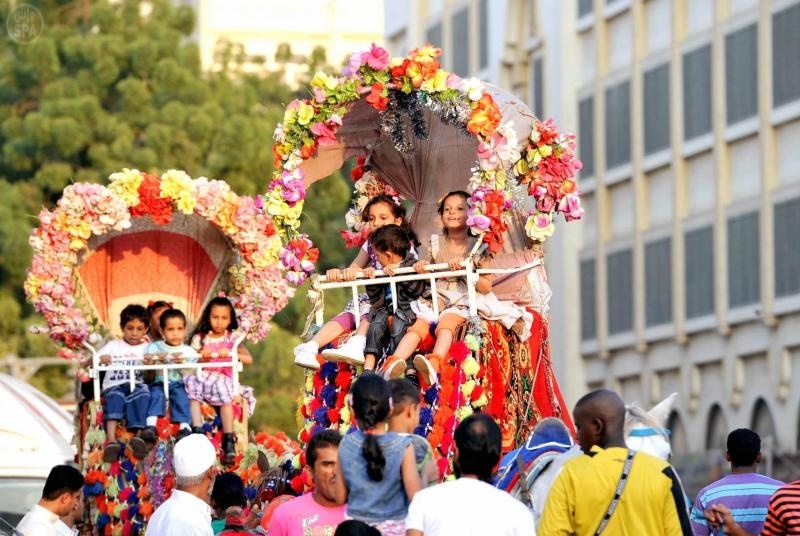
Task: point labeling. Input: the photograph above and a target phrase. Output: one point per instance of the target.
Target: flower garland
(391, 85)
(547, 168)
(367, 184)
(258, 286)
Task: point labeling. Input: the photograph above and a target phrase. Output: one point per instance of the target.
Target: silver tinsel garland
(403, 117)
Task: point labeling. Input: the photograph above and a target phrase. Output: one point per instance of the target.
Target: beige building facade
(685, 273)
(262, 26)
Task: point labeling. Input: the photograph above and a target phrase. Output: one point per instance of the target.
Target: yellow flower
(470, 366)
(482, 401)
(545, 151)
(437, 83)
(125, 184)
(305, 113)
(186, 202)
(322, 79)
(468, 387)
(464, 412)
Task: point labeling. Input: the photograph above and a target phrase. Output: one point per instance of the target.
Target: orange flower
(485, 118)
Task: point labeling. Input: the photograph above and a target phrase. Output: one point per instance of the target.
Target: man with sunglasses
(315, 512)
(187, 511)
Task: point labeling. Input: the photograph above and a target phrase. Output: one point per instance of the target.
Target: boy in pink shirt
(316, 510)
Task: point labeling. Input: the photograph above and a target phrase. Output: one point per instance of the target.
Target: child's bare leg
(194, 410)
(226, 416)
(328, 332)
(369, 361)
(408, 343)
(444, 340)
(111, 430)
(363, 327)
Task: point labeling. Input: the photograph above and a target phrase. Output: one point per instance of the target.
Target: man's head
(600, 420)
(194, 458)
(744, 448)
(478, 443)
(405, 408)
(322, 455)
(62, 489)
(228, 491)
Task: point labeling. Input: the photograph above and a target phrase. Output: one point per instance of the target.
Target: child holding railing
(171, 347)
(214, 340)
(119, 400)
(381, 210)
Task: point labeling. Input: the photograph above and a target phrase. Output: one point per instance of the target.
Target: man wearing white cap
(187, 511)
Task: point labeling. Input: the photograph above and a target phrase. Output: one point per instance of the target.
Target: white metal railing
(437, 272)
(193, 362)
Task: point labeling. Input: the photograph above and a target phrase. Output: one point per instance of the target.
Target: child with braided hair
(377, 474)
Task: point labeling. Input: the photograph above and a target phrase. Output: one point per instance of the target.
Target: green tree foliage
(110, 85)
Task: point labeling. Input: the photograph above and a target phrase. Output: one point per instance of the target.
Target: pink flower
(354, 64)
(325, 134)
(319, 94)
(376, 57)
(479, 221)
(570, 206)
(545, 203)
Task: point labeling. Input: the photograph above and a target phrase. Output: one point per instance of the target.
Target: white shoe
(351, 352)
(305, 355)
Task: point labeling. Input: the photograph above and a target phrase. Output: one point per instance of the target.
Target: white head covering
(193, 454)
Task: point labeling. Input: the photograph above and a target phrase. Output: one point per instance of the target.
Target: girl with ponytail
(376, 475)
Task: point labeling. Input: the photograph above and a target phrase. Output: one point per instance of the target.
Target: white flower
(473, 88)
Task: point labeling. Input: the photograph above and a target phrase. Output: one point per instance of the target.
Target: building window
(656, 109)
(483, 33)
(785, 51)
(677, 438)
(762, 422)
(434, 35)
(588, 301)
(744, 272)
(586, 135)
(459, 50)
(618, 125)
(787, 248)
(584, 7)
(716, 429)
(741, 74)
(658, 282)
(699, 272)
(537, 88)
(620, 292)
(697, 92)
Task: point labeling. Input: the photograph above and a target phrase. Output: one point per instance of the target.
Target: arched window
(717, 429)
(678, 438)
(762, 422)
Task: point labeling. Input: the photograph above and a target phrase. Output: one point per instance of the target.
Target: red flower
(375, 99)
(459, 352)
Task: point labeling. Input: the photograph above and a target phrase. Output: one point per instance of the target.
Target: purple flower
(328, 395)
(328, 371)
(432, 395)
(321, 417)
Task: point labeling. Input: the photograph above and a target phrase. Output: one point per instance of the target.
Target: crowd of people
(378, 479)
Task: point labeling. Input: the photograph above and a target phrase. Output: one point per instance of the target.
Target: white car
(35, 435)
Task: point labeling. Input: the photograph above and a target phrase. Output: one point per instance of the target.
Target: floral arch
(244, 253)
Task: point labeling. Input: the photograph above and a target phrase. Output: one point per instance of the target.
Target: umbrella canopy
(432, 167)
(179, 262)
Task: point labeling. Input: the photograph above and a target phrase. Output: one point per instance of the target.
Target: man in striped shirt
(783, 514)
(744, 492)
